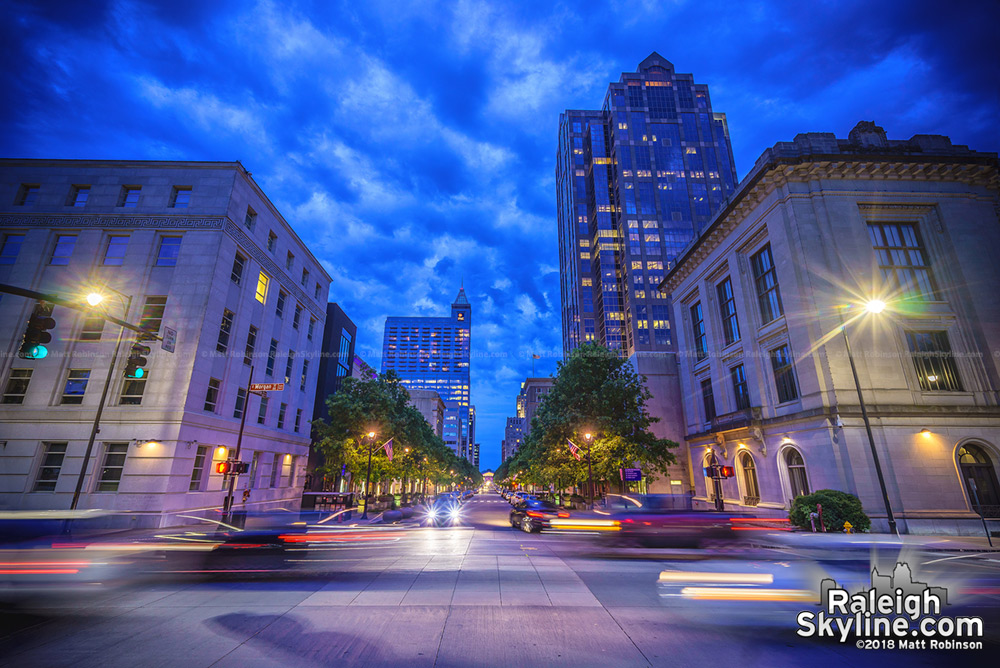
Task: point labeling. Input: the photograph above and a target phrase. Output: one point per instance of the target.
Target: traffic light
(231, 466)
(137, 357)
(36, 335)
(224, 467)
(727, 471)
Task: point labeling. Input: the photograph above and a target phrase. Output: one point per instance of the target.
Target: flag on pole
(388, 449)
(573, 450)
(536, 357)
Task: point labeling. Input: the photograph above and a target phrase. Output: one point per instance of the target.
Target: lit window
(262, 283)
(934, 361)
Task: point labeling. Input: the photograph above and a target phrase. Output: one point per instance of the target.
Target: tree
(599, 393)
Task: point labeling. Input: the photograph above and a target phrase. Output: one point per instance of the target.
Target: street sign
(267, 387)
(169, 339)
(631, 475)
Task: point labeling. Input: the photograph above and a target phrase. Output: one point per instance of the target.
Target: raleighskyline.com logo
(894, 613)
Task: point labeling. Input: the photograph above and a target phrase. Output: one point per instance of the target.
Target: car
(668, 520)
(444, 510)
(533, 515)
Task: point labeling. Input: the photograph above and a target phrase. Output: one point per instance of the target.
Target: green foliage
(838, 507)
(594, 392)
(381, 405)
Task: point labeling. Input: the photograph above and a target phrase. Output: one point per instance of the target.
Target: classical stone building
(820, 227)
(198, 248)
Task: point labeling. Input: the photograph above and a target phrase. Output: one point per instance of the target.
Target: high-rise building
(432, 353)
(196, 247)
(533, 391)
(475, 455)
(513, 436)
(636, 181)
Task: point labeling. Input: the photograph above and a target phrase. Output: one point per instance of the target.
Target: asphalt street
(477, 594)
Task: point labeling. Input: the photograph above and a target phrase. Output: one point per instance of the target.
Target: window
(239, 263)
(727, 309)
(199, 468)
(282, 410)
(262, 283)
(17, 386)
(10, 248)
(27, 194)
(78, 196)
(700, 337)
(305, 374)
(225, 328)
(129, 196)
(152, 313)
(316, 291)
(275, 468)
(63, 250)
(902, 259)
(212, 395)
(114, 464)
(740, 390)
(796, 472)
(132, 391)
(708, 399)
(252, 480)
(291, 471)
(262, 413)
(180, 198)
(48, 472)
(934, 361)
(92, 329)
(280, 309)
(312, 328)
(297, 316)
(766, 281)
(241, 403)
(978, 472)
(272, 241)
(251, 218)
(76, 386)
(305, 277)
(298, 419)
(272, 354)
(251, 344)
(114, 252)
(289, 260)
(170, 248)
(784, 374)
(288, 366)
(751, 492)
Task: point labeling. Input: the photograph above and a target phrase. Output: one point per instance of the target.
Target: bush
(838, 507)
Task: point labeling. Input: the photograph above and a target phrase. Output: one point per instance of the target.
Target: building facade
(513, 437)
(636, 181)
(430, 353)
(533, 392)
(820, 227)
(198, 248)
(430, 405)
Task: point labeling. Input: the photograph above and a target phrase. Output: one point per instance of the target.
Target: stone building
(819, 228)
(199, 248)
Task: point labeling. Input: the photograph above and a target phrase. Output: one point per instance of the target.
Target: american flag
(388, 449)
(573, 450)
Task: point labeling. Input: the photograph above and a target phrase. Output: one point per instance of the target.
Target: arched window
(751, 492)
(979, 477)
(797, 479)
(710, 459)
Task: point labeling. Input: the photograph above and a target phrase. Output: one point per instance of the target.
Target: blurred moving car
(668, 520)
(533, 515)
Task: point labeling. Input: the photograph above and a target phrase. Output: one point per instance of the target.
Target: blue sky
(412, 144)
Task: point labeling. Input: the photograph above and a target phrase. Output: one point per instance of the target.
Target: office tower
(432, 353)
(337, 357)
(196, 247)
(636, 181)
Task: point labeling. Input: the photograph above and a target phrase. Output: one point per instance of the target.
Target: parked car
(533, 515)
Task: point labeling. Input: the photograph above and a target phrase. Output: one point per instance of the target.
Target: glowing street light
(875, 306)
(368, 475)
(95, 298)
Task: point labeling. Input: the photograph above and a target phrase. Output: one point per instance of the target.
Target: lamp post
(368, 475)
(590, 472)
(872, 306)
(94, 299)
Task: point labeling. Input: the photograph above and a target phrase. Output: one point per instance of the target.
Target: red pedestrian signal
(727, 472)
(223, 467)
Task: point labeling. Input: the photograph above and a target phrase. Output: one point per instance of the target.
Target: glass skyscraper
(636, 182)
(433, 354)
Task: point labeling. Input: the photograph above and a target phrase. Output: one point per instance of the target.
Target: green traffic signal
(37, 353)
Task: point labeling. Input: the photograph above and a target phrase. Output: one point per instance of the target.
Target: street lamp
(872, 306)
(590, 472)
(95, 298)
(368, 475)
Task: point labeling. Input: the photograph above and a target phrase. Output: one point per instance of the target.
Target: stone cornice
(972, 170)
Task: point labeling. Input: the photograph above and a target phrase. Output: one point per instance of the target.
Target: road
(480, 594)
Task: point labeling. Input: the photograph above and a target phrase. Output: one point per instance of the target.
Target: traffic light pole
(100, 410)
(227, 505)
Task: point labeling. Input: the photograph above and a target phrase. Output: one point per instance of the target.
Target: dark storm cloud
(412, 145)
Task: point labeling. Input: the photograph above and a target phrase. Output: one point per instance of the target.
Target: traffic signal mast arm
(69, 303)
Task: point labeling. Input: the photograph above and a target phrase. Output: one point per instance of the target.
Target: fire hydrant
(848, 527)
